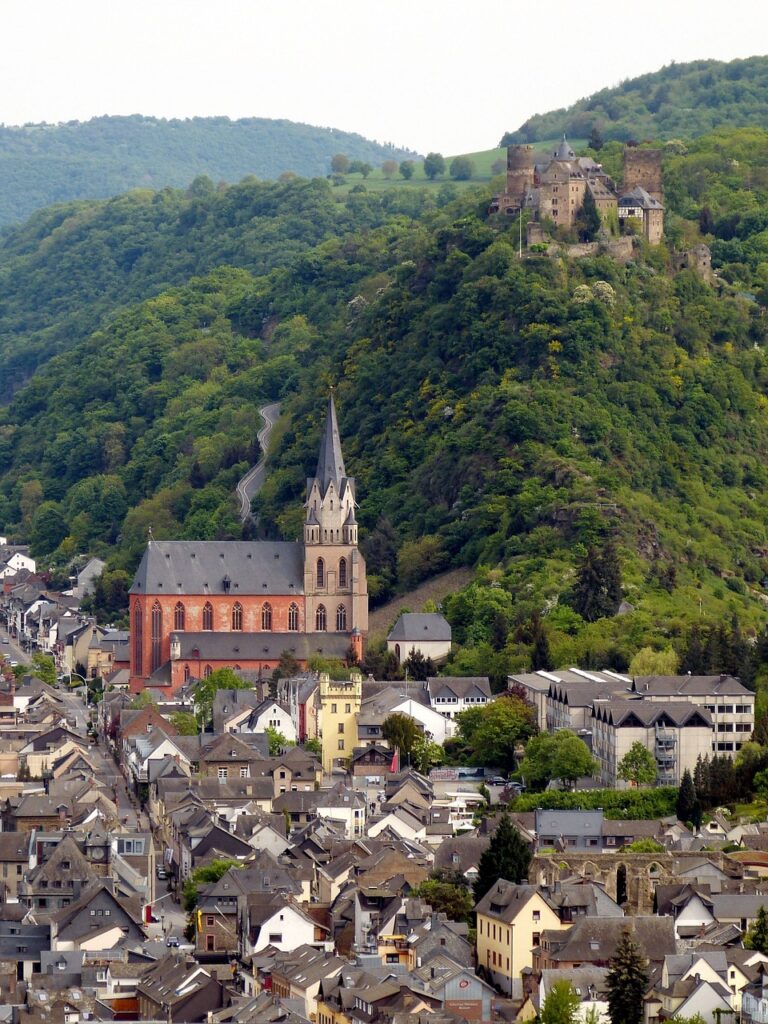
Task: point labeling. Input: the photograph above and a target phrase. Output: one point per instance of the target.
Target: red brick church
(196, 606)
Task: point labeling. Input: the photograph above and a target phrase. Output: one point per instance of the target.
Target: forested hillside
(541, 420)
(679, 101)
(42, 164)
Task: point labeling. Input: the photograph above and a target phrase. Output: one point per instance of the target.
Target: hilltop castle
(197, 606)
(554, 189)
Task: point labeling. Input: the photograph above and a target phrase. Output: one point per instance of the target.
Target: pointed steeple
(330, 462)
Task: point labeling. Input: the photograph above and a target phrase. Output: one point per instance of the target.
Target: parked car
(172, 940)
(161, 873)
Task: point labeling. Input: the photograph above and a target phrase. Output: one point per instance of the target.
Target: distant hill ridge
(42, 164)
(679, 101)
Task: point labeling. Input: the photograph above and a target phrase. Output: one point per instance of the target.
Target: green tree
(494, 731)
(44, 667)
(418, 666)
(638, 766)
(499, 166)
(277, 741)
(541, 656)
(588, 222)
(434, 165)
(597, 592)
(507, 856)
(49, 528)
(462, 168)
(446, 898)
(143, 700)
(426, 755)
(400, 731)
(389, 168)
(561, 1005)
(340, 163)
(688, 806)
(649, 662)
(626, 982)
(313, 746)
(595, 139)
(407, 167)
(560, 755)
(757, 935)
(184, 723)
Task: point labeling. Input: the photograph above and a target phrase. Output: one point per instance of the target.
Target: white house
(401, 823)
(267, 715)
(270, 920)
(450, 695)
(13, 563)
(428, 633)
(434, 723)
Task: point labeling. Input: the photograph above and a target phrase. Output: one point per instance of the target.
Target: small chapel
(198, 606)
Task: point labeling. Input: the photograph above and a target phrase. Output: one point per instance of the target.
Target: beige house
(676, 734)
(510, 920)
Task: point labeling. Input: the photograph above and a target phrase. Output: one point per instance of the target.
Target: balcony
(666, 737)
(665, 778)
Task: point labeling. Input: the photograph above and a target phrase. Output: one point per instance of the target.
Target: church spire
(330, 462)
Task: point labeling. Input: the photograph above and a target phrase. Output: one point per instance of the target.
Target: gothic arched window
(320, 572)
(207, 615)
(138, 641)
(186, 673)
(320, 619)
(266, 616)
(341, 618)
(178, 616)
(342, 572)
(293, 616)
(208, 671)
(237, 616)
(157, 636)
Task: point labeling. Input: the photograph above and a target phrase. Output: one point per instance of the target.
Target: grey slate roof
(260, 646)
(330, 462)
(694, 686)
(414, 626)
(621, 712)
(199, 567)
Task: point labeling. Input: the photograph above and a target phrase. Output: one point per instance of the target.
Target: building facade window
(266, 617)
(207, 672)
(320, 572)
(207, 615)
(341, 618)
(293, 617)
(237, 616)
(178, 616)
(186, 673)
(157, 636)
(138, 641)
(342, 572)
(320, 619)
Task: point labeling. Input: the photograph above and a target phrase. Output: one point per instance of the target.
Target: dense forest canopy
(547, 421)
(42, 164)
(679, 101)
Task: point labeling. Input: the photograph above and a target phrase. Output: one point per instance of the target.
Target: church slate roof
(199, 567)
(259, 646)
(330, 462)
(415, 626)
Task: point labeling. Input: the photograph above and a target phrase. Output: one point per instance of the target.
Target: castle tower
(340, 705)
(643, 167)
(335, 586)
(520, 167)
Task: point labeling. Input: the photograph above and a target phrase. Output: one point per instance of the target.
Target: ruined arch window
(341, 618)
(157, 636)
(320, 619)
(179, 616)
(266, 616)
(207, 615)
(186, 673)
(237, 616)
(293, 616)
(320, 572)
(138, 641)
(208, 671)
(342, 572)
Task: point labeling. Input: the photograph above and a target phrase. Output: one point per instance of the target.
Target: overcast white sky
(430, 74)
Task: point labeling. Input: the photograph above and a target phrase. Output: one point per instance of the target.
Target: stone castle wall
(643, 167)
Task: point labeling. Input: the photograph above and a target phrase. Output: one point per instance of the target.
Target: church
(197, 606)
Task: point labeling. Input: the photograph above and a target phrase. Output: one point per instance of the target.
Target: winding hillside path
(250, 485)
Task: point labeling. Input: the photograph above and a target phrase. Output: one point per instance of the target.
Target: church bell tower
(335, 585)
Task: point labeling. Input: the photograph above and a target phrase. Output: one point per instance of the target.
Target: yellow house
(339, 707)
(510, 920)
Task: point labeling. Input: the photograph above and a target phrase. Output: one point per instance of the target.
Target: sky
(426, 74)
